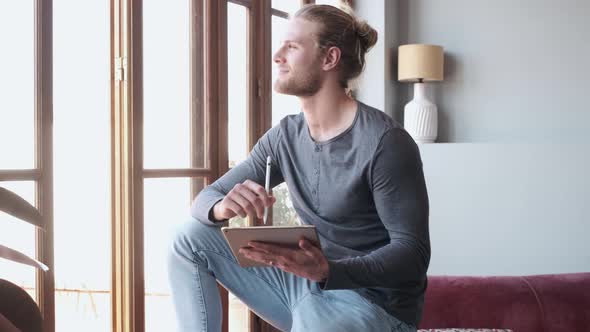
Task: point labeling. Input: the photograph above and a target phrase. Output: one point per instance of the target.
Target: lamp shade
(420, 62)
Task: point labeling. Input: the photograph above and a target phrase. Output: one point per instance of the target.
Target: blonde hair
(339, 27)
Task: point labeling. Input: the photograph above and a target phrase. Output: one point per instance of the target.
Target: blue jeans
(199, 256)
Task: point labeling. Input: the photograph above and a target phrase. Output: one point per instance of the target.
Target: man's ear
(331, 58)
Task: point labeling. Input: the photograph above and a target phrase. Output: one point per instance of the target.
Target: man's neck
(328, 113)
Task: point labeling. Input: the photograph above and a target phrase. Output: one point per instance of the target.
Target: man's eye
(291, 46)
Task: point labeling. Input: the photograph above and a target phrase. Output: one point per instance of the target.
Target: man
(351, 171)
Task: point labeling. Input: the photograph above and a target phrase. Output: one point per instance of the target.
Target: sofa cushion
(477, 302)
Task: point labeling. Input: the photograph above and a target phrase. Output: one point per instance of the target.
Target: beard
(302, 84)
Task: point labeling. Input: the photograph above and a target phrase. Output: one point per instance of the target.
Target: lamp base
(421, 117)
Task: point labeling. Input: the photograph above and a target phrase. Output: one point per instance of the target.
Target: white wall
(374, 81)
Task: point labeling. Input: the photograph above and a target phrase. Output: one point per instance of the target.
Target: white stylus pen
(267, 186)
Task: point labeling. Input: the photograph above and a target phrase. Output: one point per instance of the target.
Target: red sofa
(539, 303)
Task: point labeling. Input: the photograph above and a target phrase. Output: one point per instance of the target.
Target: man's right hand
(245, 199)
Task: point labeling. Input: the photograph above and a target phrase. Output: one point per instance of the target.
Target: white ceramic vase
(421, 117)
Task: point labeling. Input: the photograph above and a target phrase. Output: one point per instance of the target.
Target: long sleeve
(401, 200)
(253, 168)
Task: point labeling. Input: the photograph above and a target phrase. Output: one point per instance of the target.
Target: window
(114, 127)
(81, 166)
(238, 93)
(288, 7)
(166, 146)
(17, 124)
(25, 166)
(170, 140)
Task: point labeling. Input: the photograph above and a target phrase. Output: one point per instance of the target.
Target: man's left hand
(306, 261)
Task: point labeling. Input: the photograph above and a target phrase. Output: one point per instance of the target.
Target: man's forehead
(300, 31)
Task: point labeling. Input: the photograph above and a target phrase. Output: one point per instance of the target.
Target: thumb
(308, 247)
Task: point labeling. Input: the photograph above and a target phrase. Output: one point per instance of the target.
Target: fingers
(244, 204)
(253, 202)
(244, 200)
(257, 189)
(271, 248)
(281, 256)
(248, 199)
(309, 248)
(248, 203)
(305, 262)
(230, 209)
(262, 257)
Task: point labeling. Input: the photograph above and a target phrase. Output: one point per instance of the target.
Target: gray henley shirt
(364, 190)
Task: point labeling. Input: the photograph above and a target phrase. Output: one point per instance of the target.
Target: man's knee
(195, 235)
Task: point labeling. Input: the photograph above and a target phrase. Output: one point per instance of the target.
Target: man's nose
(278, 57)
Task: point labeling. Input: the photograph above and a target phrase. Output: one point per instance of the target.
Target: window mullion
(127, 167)
(198, 131)
(44, 157)
(20, 174)
(260, 112)
(175, 173)
(215, 40)
(260, 34)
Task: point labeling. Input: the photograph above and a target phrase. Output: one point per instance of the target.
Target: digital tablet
(238, 237)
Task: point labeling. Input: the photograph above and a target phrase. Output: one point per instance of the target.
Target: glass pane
(166, 206)
(17, 85)
(238, 222)
(237, 61)
(82, 133)
(282, 105)
(283, 213)
(18, 235)
(288, 6)
(166, 94)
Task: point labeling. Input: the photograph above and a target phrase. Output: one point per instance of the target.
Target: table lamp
(420, 63)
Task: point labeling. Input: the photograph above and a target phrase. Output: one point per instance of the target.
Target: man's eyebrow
(291, 41)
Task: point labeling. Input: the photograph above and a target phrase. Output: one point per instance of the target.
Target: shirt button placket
(316, 173)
